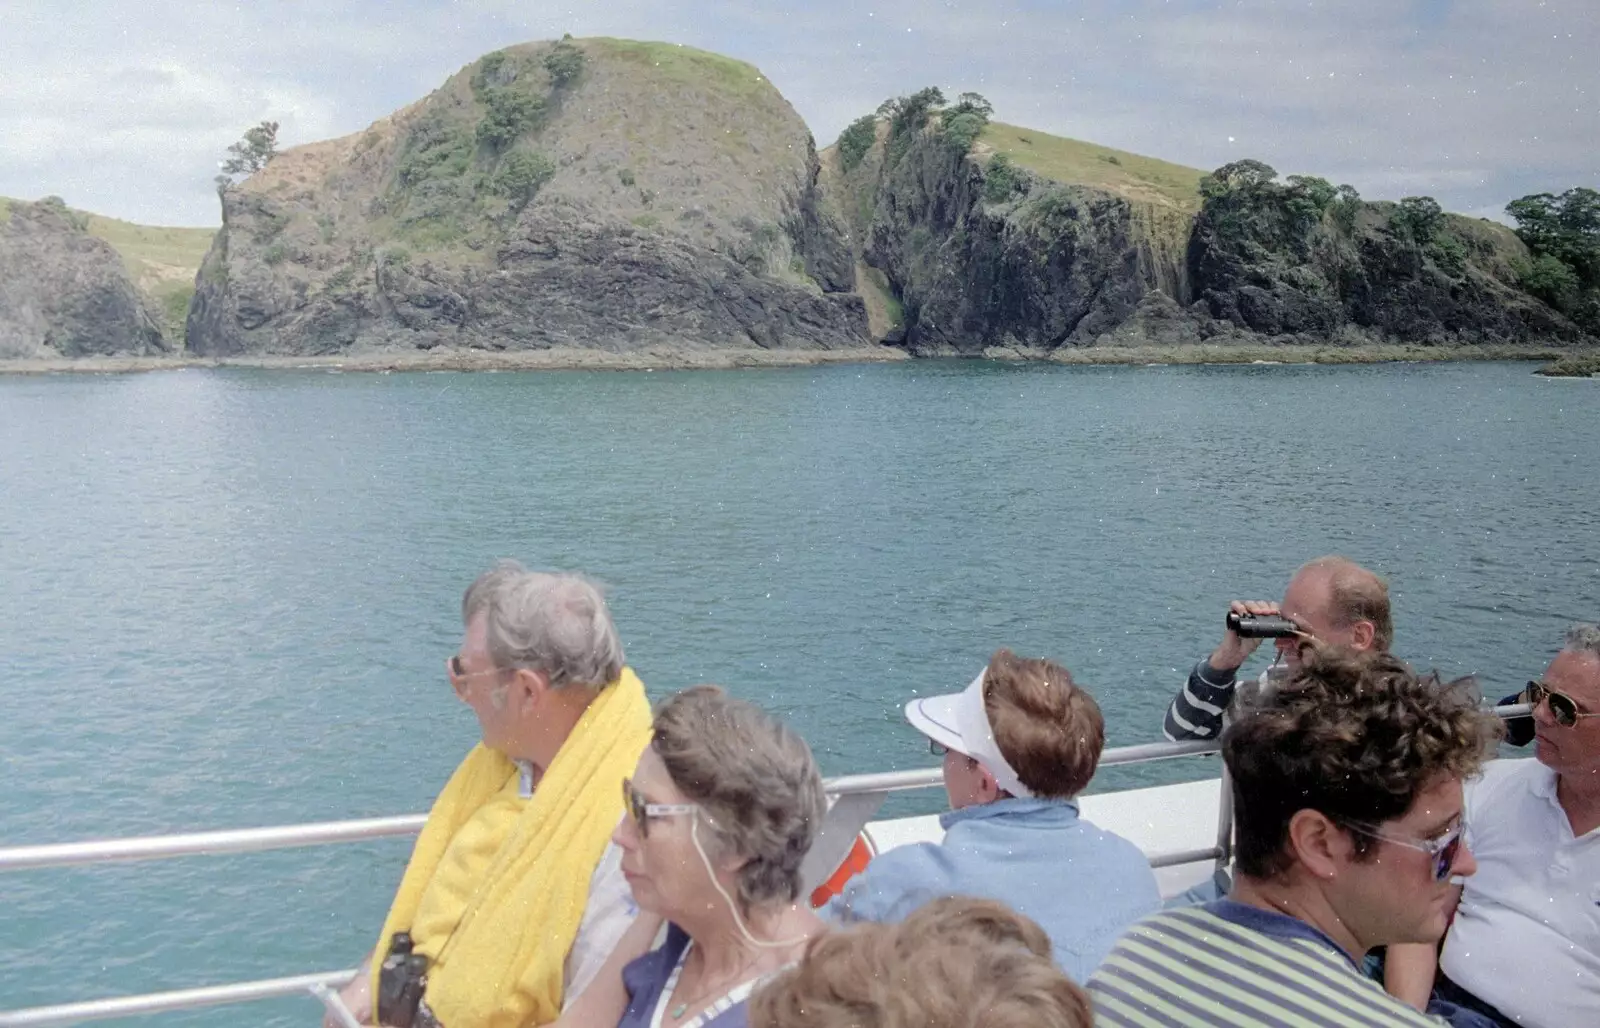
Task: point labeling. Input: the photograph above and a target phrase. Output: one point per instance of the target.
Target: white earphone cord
(733, 908)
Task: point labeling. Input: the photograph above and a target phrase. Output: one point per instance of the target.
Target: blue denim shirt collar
(1047, 812)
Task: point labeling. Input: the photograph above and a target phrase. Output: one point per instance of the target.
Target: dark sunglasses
(1443, 849)
(642, 810)
(1563, 709)
(938, 749)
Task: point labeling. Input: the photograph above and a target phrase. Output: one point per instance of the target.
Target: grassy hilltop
(1126, 174)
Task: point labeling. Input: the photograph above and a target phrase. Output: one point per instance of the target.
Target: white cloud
(125, 108)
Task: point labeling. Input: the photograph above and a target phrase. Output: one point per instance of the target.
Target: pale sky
(123, 107)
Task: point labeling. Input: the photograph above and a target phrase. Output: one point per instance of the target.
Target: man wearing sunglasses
(1524, 948)
(514, 894)
(1349, 816)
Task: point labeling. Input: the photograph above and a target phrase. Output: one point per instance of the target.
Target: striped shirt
(1228, 964)
(1199, 709)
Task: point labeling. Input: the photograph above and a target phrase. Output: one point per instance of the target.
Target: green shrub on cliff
(1448, 254)
(1565, 227)
(962, 130)
(1417, 219)
(436, 147)
(1345, 207)
(856, 140)
(1001, 179)
(511, 112)
(521, 175)
(1550, 279)
(964, 122)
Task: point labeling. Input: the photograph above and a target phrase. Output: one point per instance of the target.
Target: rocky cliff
(590, 193)
(1294, 261)
(1010, 241)
(66, 293)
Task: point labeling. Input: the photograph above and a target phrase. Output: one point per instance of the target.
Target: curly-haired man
(1347, 787)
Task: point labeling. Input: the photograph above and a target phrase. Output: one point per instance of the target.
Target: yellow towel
(502, 967)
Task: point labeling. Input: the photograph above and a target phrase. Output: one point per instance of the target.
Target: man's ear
(1362, 635)
(1321, 847)
(528, 688)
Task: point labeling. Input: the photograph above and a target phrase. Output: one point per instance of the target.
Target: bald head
(1356, 594)
(1338, 601)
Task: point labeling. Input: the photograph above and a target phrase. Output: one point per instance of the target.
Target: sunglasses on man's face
(642, 810)
(1563, 709)
(1442, 848)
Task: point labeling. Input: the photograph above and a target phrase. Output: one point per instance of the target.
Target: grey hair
(557, 624)
(1583, 638)
(755, 780)
(476, 598)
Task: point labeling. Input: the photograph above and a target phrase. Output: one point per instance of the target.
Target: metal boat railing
(856, 798)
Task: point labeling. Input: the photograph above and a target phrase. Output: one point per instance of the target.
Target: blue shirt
(1083, 885)
(646, 979)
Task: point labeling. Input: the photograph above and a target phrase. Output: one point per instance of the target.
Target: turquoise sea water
(226, 596)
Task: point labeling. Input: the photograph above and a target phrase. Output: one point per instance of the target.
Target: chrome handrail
(232, 840)
(177, 999)
(256, 840)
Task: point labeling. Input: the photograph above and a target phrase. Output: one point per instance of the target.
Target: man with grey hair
(514, 896)
(1524, 948)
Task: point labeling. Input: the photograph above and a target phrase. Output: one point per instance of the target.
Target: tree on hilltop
(972, 103)
(1566, 227)
(1247, 176)
(910, 113)
(1417, 218)
(250, 154)
(564, 62)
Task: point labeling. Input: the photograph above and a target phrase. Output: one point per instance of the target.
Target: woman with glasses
(719, 814)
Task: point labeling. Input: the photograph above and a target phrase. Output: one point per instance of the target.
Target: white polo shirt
(1526, 938)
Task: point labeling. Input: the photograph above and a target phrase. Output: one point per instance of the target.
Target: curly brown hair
(1354, 736)
(1050, 731)
(956, 962)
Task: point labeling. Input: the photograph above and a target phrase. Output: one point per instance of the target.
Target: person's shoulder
(1505, 782)
(893, 882)
(915, 863)
(653, 965)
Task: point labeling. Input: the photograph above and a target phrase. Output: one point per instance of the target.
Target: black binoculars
(402, 979)
(1262, 626)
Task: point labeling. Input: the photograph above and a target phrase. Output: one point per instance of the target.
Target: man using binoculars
(1331, 599)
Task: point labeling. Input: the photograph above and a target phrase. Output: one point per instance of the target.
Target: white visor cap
(958, 721)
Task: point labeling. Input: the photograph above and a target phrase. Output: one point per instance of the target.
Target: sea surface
(226, 596)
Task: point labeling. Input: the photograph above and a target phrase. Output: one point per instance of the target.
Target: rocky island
(603, 202)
